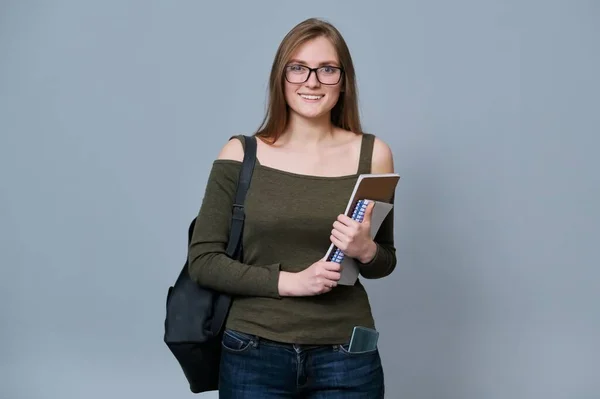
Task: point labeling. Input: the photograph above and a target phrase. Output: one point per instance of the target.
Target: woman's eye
(296, 68)
(328, 69)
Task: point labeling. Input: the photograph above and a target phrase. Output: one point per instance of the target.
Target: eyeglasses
(327, 75)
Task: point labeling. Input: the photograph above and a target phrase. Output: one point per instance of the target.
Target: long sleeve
(209, 264)
(384, 262)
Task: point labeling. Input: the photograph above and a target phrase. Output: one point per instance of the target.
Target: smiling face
(313, 98)
(309, 46)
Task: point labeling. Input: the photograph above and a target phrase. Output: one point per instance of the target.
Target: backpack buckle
(238, 212)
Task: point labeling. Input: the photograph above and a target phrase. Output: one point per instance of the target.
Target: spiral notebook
(358, 214)
(377, 188)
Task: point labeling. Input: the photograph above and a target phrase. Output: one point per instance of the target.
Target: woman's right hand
(318, 278)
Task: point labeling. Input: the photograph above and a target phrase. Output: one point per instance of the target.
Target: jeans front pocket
(236, 341)
(344, 349)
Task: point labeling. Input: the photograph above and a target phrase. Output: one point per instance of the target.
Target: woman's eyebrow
(297, 61)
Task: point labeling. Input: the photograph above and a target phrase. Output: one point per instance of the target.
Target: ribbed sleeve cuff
(381, 265)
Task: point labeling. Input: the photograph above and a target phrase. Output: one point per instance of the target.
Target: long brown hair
(344, 114)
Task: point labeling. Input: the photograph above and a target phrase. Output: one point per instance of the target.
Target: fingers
(332, 266)
(329, 271)
(345, 220)
(325, 289)
(330, 275)
(343, 228)
(341, 237)
(325, 276)
(337, 242)
(328, 284)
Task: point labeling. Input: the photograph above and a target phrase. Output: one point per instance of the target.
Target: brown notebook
(376, 187)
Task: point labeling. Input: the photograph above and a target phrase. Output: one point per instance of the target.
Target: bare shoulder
(232, 150)
(383, 159)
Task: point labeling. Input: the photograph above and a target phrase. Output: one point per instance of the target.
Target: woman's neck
(308, 132)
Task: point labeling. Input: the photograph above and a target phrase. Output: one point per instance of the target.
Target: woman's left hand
(354, 238)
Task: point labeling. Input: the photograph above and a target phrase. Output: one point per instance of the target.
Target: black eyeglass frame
(311, 70)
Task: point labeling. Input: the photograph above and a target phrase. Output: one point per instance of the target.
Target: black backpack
(195, 314)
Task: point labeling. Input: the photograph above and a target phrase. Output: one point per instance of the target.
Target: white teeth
(308, 97)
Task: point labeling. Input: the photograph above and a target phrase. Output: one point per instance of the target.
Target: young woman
(290, 323)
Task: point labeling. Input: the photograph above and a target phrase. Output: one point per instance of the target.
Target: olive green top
(289, 218)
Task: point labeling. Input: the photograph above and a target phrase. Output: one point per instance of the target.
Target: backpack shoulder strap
(238, 212)
(234, 245)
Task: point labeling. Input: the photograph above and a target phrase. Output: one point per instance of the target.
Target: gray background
(112, 112)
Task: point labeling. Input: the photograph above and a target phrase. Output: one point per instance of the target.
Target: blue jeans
(257, 368)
